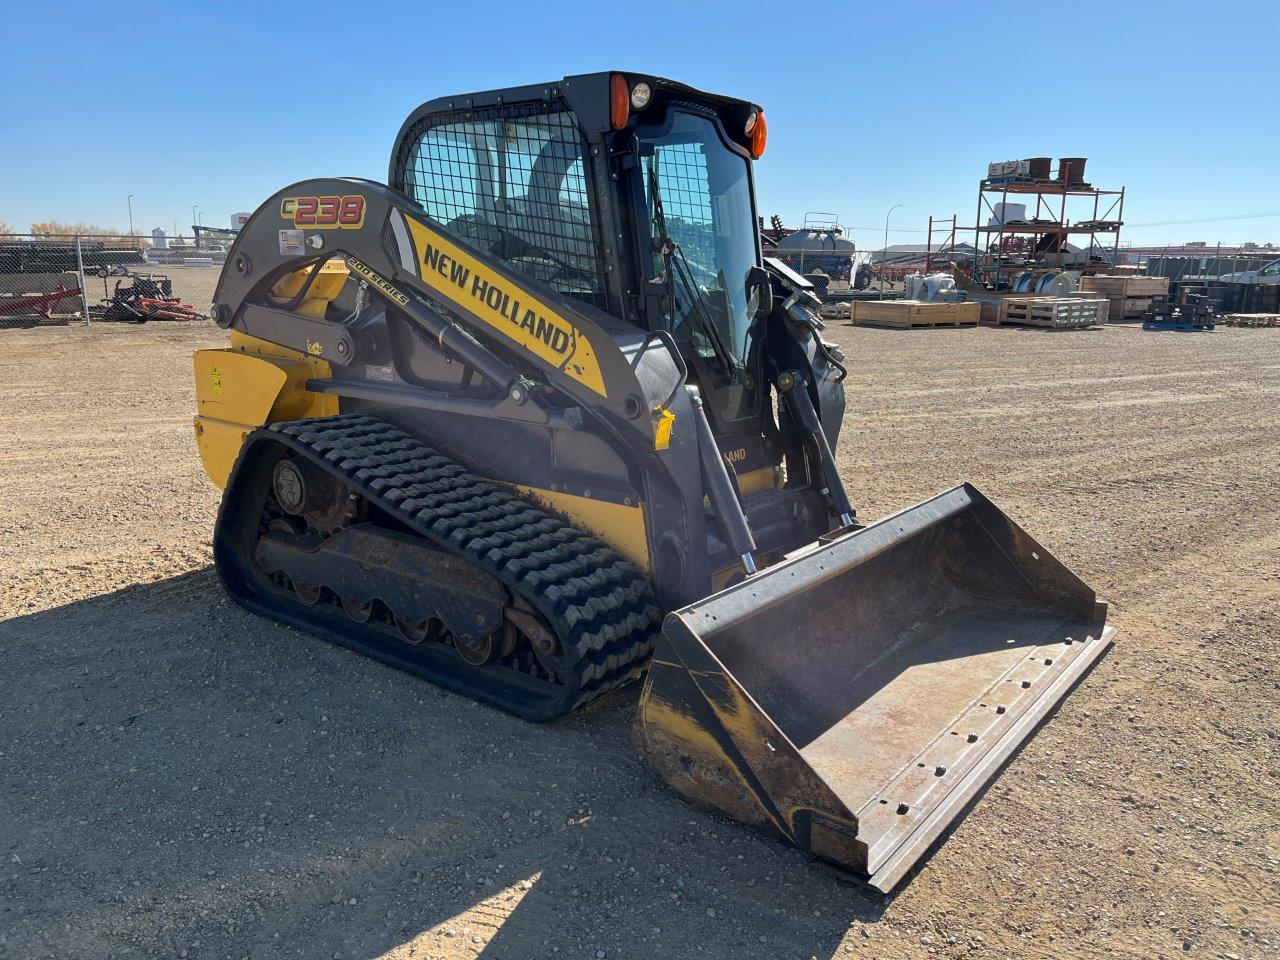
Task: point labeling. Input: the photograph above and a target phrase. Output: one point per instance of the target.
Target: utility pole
(884, 254)
(193, 224)
(130, 202)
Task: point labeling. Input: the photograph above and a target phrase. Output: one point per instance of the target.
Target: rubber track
(598, 604)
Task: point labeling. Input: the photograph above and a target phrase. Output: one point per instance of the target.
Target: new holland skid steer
(538, 417)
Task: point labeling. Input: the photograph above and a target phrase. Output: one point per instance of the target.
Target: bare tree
(80, 228)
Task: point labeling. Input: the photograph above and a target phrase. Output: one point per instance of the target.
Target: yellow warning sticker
(504, 305)
(662, 429)
(215, 379)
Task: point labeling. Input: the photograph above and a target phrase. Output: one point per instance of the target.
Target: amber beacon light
(619, 101)
(758, 132)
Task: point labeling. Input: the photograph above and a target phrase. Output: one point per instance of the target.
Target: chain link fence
(63, 279)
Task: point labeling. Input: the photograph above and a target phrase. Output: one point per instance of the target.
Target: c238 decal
(324, 213)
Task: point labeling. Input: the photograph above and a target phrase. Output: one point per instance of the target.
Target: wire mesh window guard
(513, 184)
(686, 199)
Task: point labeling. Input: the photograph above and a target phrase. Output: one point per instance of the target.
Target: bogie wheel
(357, 611)
(479, 651)
(414, 633)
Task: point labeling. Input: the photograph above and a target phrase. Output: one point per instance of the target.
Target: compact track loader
(490, 423)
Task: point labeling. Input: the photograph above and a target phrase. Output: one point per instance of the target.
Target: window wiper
(693, 295)
(673, 256)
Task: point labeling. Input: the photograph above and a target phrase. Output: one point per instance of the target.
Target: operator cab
(628, 192)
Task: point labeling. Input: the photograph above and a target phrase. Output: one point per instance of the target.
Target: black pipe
(720, 487)
(795, 390)
(524, 412)
(453, 338)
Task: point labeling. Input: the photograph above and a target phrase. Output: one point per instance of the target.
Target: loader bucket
(857, 696)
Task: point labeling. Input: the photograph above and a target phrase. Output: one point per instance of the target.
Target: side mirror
(759, 294)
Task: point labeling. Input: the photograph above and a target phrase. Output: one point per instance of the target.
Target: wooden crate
(1127, 308)
(1056, 312)
(1125, 288)
(906, 314)
(990, 307)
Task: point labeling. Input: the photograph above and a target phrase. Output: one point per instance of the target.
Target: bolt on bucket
(857, 696)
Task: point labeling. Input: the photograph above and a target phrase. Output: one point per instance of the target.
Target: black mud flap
(859, 695)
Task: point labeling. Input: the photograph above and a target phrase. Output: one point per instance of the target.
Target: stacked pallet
(1250, 319)
(907, 314)
(1061, 313)
(1129, 296)
(1073, 310)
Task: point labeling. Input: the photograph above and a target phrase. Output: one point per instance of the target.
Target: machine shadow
(183, 775)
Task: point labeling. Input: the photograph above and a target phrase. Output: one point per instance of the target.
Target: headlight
(641, 94)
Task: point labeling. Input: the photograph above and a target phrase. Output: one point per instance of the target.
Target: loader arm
(503, 325)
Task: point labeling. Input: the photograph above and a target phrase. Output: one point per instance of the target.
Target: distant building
(915, 254)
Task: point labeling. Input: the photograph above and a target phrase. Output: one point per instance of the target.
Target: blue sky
(220, 104)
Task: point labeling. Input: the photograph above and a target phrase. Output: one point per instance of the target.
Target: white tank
(1007, 213)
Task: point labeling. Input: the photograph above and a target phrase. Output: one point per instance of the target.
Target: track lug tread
(598, 603)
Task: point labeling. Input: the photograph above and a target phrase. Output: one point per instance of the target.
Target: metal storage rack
(940, 244)
(1015, 245)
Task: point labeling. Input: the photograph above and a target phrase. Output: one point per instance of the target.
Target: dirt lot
(180, 778)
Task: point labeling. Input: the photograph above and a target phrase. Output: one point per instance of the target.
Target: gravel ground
(180, 778)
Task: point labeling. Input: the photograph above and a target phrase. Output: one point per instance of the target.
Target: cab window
(513, 187)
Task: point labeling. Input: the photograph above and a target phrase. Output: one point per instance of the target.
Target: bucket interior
(909, 653)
